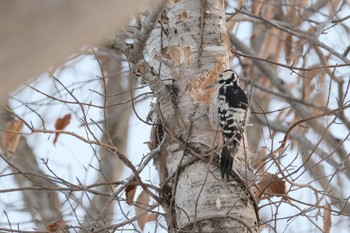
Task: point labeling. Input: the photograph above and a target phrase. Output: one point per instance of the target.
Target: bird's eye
(220, 75)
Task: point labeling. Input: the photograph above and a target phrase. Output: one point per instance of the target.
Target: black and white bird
(228, 113)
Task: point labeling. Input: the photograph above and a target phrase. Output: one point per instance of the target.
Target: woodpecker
(228, 113)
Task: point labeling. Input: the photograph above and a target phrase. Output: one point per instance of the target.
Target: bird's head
(225, 77)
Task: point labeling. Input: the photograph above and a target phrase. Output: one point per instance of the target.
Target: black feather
(226, 162)
(233, 101)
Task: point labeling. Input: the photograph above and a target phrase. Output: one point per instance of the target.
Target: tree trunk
(195, 47)
(115, 124)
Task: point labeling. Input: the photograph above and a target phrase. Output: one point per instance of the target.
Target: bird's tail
(226, 160)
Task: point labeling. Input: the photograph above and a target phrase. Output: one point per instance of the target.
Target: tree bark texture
(193, 47)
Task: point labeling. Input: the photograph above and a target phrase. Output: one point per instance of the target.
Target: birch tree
(196, 48)
(289, 174)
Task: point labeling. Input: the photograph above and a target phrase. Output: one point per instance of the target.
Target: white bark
(196, 49)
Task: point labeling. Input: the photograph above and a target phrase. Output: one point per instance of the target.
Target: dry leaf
(288, 48)
(333, 6)
(142, 210)
(256, 6)
(60, 124)
(271, 185)
(151, 217)
(299, 47)
(130, 193)
(56, 226)
(11, 136)
(327, 218)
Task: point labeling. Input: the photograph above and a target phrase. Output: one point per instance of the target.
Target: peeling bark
(196, 48)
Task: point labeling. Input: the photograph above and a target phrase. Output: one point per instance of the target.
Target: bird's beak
(211, 85)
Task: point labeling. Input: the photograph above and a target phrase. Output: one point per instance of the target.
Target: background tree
(64, 135)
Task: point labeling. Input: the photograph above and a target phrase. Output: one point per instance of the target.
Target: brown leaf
(288, 48)
(333, 7)
(11, 136)
(142, 210)
(56, 226)
(292, 16)
(151, 217)
(255, 8)
(299, 46)
(270, 185)
(60, 124)
(130, 193)
(273, 50)
(327, 218)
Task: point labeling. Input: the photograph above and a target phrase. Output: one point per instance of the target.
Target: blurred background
(69, 99)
